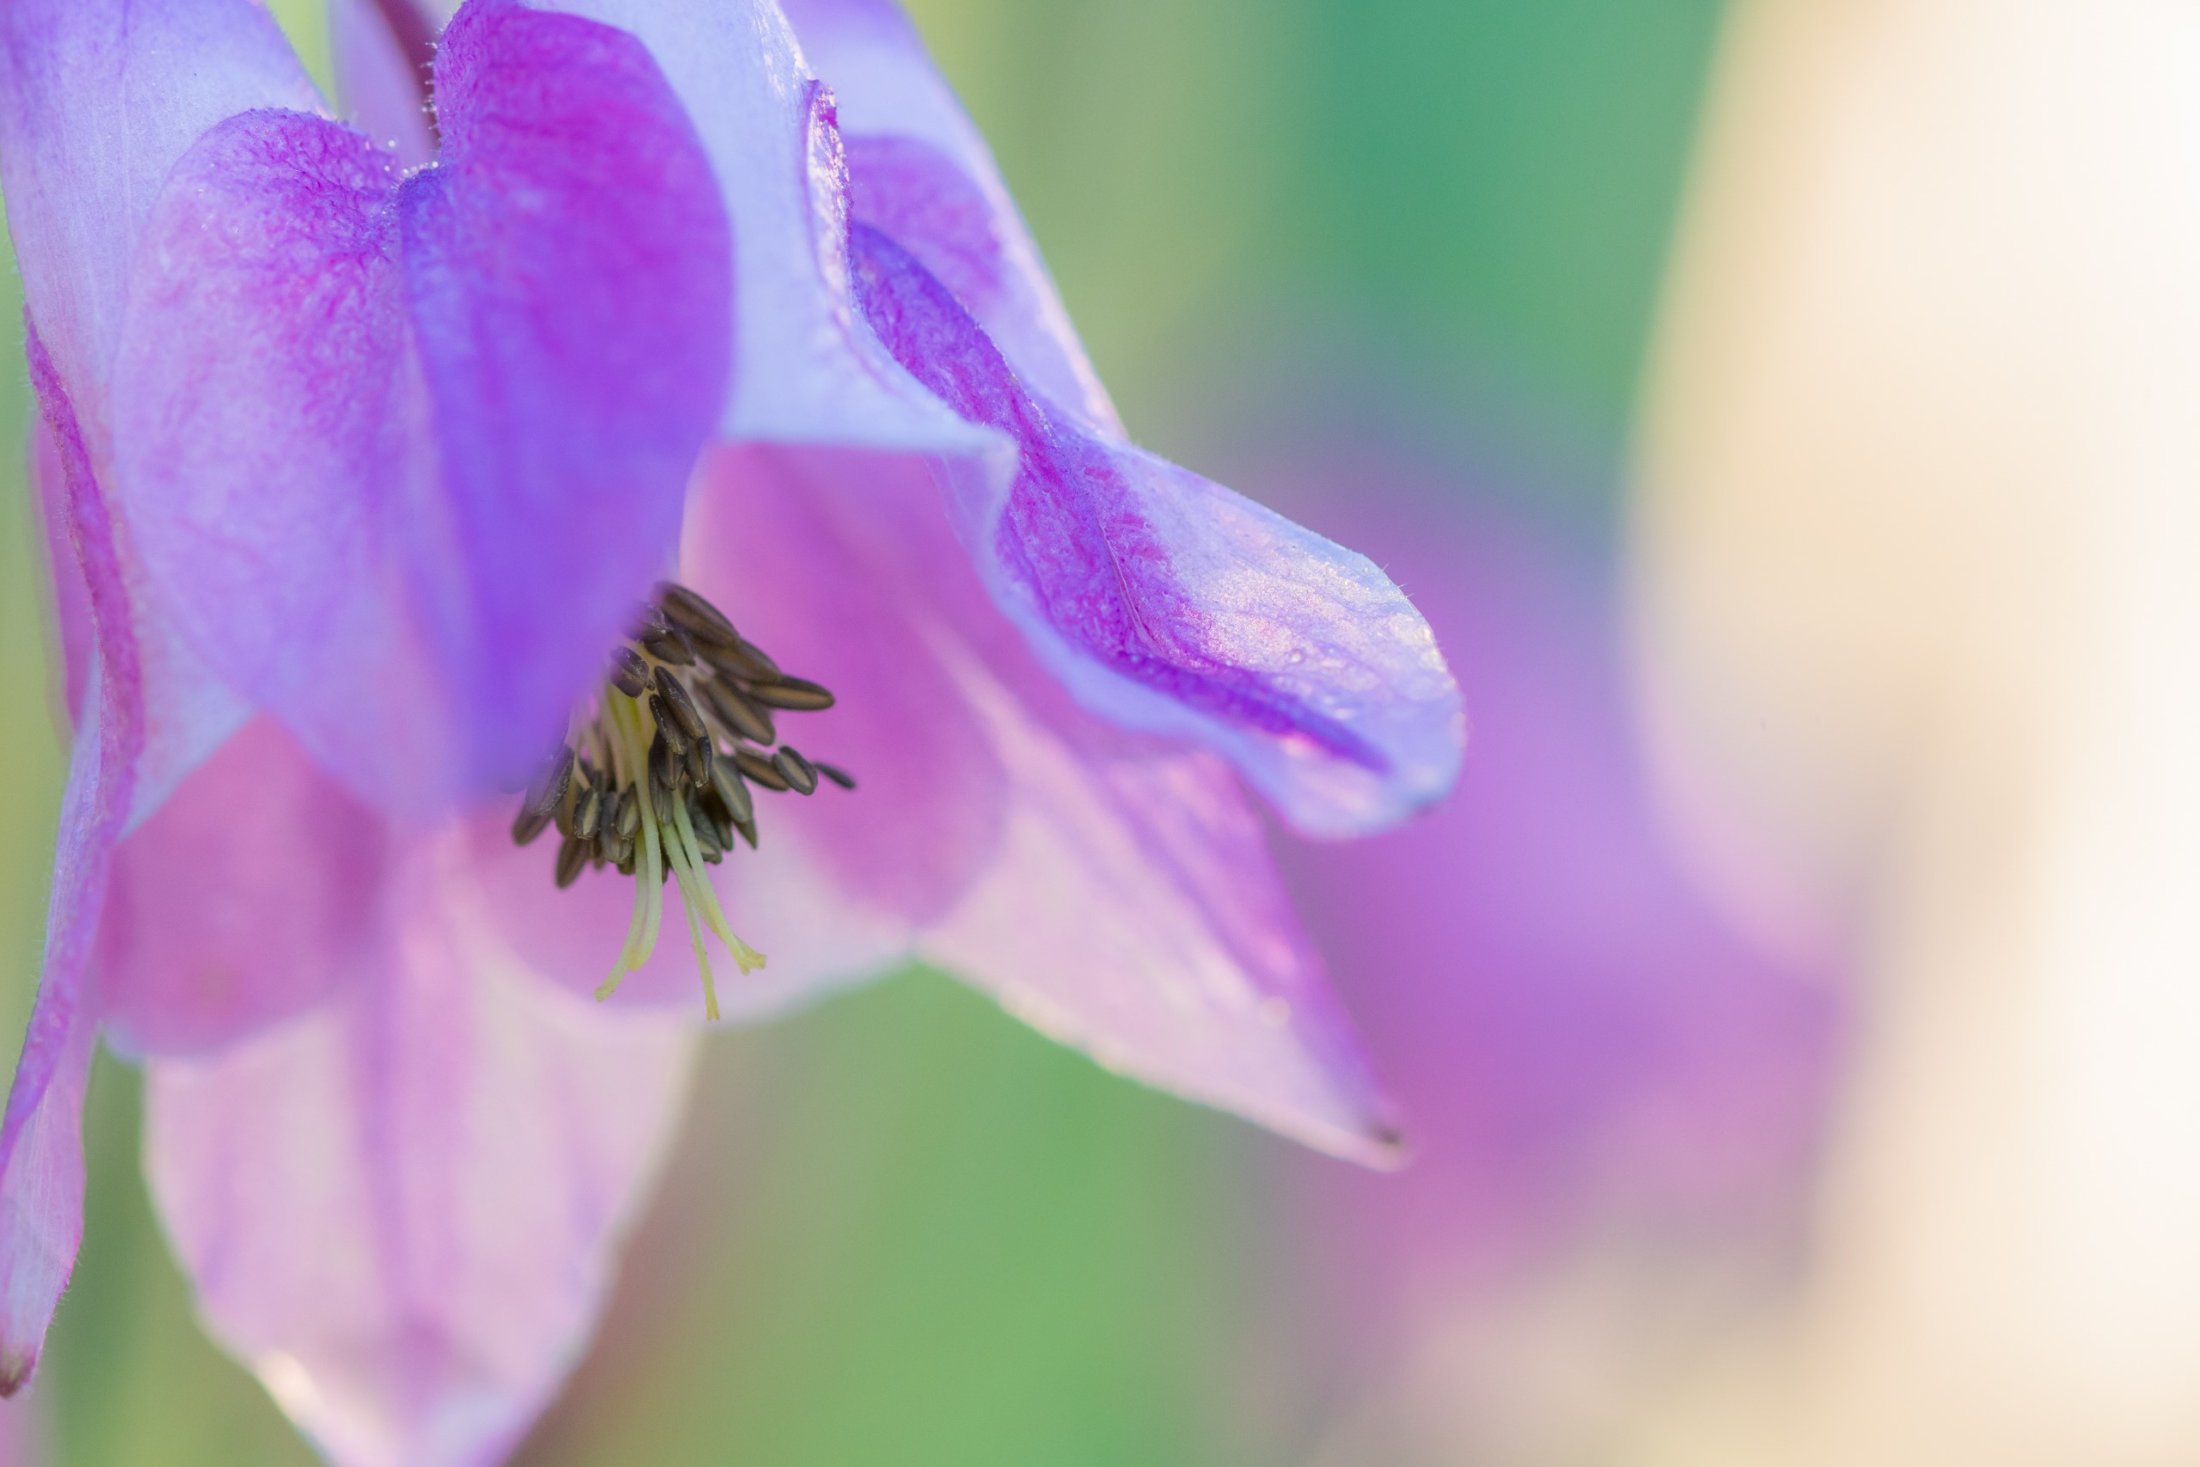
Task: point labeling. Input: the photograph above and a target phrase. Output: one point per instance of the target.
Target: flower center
(658, 780)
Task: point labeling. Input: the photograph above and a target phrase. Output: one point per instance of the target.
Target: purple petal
(921, 173)
(401, 1210)
(1111, 890)
(251, 895)
(401, 457)
(1173, 605)
(807, 370)
(41, 1135)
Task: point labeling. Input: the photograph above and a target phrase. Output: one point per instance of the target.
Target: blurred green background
(902, 1228)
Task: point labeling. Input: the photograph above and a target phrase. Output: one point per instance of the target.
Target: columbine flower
(365, 479)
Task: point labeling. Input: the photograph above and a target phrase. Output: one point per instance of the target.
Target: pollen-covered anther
(656, 779)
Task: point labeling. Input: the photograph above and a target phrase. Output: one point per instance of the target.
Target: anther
(758, 769)
(695, 616)
(571, 857)
(658, 779)
(629, 674)
(798, 772)
(670, 645)
(738, 713)
(795, 694)
(683, 708)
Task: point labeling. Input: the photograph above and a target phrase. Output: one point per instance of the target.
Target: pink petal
(921, 173)
(251, 895)
(400, 1210)
(402, 456)
(41, 1135)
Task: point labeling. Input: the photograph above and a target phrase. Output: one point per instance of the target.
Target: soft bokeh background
(1731, 389)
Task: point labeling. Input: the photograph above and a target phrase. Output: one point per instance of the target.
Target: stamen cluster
(659, 780)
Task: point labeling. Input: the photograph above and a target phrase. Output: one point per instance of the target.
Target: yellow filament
(632, 728)
(695, 935)
(747, 958)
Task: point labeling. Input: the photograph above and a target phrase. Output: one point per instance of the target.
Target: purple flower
(355, 475)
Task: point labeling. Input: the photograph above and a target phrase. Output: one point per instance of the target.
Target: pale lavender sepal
(98, 98)
(402, 1210)
(431, 432)
(806, 369)
(41, 1135)
(921, 173)
(1171, 604)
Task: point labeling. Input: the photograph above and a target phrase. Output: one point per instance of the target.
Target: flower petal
(920, 172)
(401, 457)
(1169, 603)
(98, 101)
(41, 1135)
(251, 895)
(373, 43)
(807, 370)
(400, 1209)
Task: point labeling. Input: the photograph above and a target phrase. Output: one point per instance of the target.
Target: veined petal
(41, 1135)
(1170, 604)
(807, 370)
(252, 894)
(403, 455)
(920, 172)
(400, 1210)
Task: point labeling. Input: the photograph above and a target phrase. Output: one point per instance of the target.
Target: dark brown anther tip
(684, 711)
(746, 662)
(835, 773)
(795, 694)
(758, 769)
(668, 727)
(725, 778)
(671, 645)
(528, 825)
(572, 855)
(629, 674)
(549, 786)
(694, 615)
(799, 773)
(666, 769)
(737, 713)
(699, 763)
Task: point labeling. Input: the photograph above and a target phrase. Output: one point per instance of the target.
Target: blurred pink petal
(252, 894)
(400, 1209)
(1596, 1063)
